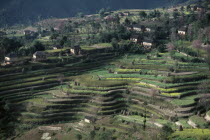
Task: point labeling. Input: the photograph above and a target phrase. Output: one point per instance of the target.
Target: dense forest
(25, 11)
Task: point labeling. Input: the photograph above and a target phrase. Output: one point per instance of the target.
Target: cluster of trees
(8, 45)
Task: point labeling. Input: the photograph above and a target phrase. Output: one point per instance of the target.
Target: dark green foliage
(9, 45)
(7, 120)
(54, 36)
(143, 14)
(166, 131)
(38, 46)
(119, 34)
(78, 136)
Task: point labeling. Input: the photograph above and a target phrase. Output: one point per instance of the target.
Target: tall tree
(143, 14)
(197, 45)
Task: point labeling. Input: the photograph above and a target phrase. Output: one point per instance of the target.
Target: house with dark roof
(57, 47)
(28, 32)
(10, 58)
(136, 39)
(182, 30)
(148, 43)
(39, 56)
(90, 119)
(75, 50)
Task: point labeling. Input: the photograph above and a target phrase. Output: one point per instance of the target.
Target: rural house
(120, 14)
(126, 13)
(57, 47)
(10, 58)
(110, 18)
(147, 29)
(90, 119)
(135, 39)
(39, 56)
(138, 28)
(28, 32)
(200, 8)
(75, 50)
(182, 31)
(148, 43)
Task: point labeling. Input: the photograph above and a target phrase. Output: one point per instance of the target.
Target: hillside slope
(19, 11)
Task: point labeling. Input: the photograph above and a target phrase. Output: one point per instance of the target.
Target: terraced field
(167, 88)
(132, 87)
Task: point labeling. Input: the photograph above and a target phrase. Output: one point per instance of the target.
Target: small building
(182, 31)
(175, 10)
(39, 56)
(75, 50)
(110, 18)
(10, 58)
(135, 39)
(28, 32)
(59, 26)
(120, 14)
(147, 29)
(126, 13)
(138, 28)
(194, 8)
(148, 43)
(200, 8)
(56, 47)
(90, 119)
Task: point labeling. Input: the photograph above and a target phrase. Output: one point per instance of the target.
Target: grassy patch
(93, 81)
(192, 133)
(200, 121)
(184, 101)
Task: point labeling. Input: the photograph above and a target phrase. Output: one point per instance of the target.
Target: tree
(102, 12)
(78, 136)
(171, 48)
(190, 32)
(207, 35)
(61, 79)
(114, 43)
(175, 14)
(80, 15)
(127, 22)
(173, 35)
(166, 131)
(188, 7)
(203, 90)
(182, 8)
(9, 45)
(153, 92)
(145, 115)
(38, 46)
(197, 45)
(207, 58)
(143, 14)
(54, 36)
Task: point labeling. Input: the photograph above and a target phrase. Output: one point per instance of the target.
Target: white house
(182, 31)
(10, 58)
